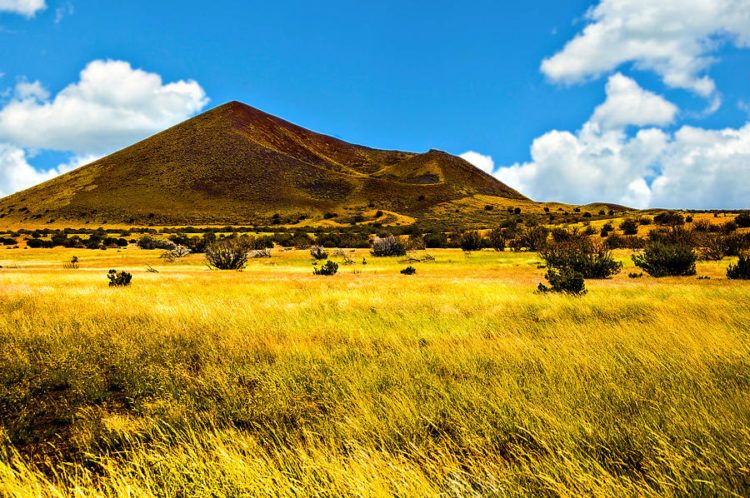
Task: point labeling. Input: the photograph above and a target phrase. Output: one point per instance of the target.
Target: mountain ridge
(236, 164)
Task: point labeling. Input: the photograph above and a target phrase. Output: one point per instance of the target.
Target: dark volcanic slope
(236, 164)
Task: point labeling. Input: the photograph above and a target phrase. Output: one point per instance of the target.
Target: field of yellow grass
(459, 380)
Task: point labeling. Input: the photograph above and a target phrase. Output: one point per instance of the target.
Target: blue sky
(440, 74)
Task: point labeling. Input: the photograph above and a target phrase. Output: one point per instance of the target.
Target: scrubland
(459, 380)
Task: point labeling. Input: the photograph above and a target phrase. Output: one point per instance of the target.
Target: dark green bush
(743, 220)
(497, 240)
(729, 227)
(664, 260)
(740, 271)
(669, 218)
(737, 243)
(581, 254)
(409, 270)
(119, 278)
(471, 241)
(318, 252)
(328, 269)
(39, 244)
(148, 242)
(227, 254)
(629, 227)
(567, 281)
(435, 240)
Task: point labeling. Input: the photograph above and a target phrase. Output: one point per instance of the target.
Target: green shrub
(387, 246)
(39, 244)
(147, 242)
(227, 254)
(409, 270)
(119, 279)
(567, 281)
(669, 218)
(743, 220)
(737, 244)
(729, 227)
(328, 269)
(318, 252)
(629, 227)
(497, 239)
(471, 241)
(676, 235)
(740, 271)
(582, 255)
(664, 260)
(435, 240)
(533, 239)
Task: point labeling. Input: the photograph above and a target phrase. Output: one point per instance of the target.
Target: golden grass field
(460, 380)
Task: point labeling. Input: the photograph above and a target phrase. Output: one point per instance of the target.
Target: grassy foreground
(459, 380)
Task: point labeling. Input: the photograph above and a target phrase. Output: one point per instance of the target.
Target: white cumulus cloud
(690, 168)
(674, 38)
(629, 104)
(111, 106)
(26, 8)
(485, 163)
(16, 173)
(589, 166)
(31, 90)
(705, 169)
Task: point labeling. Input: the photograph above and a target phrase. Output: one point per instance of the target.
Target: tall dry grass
(457, 381)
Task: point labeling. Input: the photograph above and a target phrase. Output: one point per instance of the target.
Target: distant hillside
(237, 165)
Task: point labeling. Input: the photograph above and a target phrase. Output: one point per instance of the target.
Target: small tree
(227, 254)
(713, 247)
(471, 241)
(665, 260)
(497, 241)
(740, 271)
